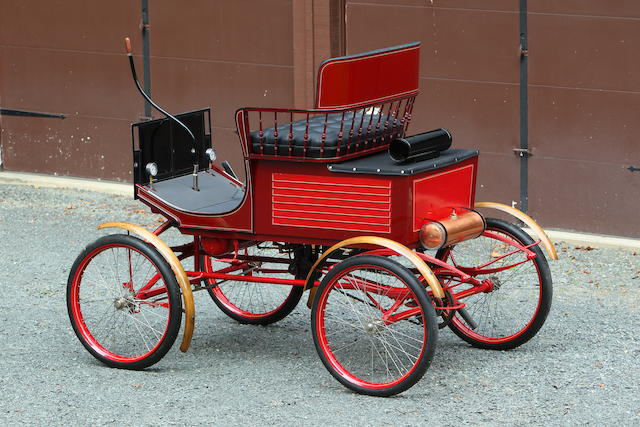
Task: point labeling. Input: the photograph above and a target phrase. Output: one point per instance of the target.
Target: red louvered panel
(351, 181)
(332, 217)
(331, 186)
(328, 225)
(367, 211)
(338, 194)
(341, 203)
(332, 203)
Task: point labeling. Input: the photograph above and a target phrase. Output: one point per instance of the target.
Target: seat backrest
(369, 77)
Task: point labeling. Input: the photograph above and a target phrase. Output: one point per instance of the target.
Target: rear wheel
(374, 325)
(252, 302)
(518, 304)
(124, 302)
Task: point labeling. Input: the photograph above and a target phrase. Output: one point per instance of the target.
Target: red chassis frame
(453, 276)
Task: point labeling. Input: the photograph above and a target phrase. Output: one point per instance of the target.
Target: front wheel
(518, 304)
(374, 325)
(124, 302)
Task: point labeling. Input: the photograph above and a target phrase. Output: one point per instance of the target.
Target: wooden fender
(530, 222)
(398, 248)
(178, 270)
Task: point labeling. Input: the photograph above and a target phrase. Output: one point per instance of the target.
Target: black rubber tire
(428, 319)
(290, 303)
(458, 326)
(174, 312)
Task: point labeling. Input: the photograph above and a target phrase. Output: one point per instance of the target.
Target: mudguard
(530, 222)
(396, 247)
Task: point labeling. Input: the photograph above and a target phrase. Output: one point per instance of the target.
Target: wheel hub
(374, 326)
(122, 303)
(496, 282)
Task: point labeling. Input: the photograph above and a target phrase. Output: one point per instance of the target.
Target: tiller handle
(129, 50)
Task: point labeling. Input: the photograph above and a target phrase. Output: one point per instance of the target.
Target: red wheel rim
(463, 327)
(234, 299)
(79, 317)
(331, 357)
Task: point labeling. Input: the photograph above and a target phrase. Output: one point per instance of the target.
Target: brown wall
(223, 55)
(583, 84)
(584, 103)
(70, 64)
(584, 97)
(468, 74)
(213, 53)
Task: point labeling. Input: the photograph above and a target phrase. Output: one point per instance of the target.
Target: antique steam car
(379, 227)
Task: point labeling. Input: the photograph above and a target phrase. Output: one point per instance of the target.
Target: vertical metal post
(1, 145)
(337, 11)
(145, 55)
(524, 111)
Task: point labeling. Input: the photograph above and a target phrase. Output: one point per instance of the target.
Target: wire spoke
(358, 338)
(115, 322)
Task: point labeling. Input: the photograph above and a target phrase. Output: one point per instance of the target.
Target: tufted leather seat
(358, 141)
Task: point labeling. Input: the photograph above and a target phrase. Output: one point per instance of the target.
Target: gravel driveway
(582, 368)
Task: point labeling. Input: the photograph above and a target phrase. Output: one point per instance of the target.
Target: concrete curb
(126, 189)
(50, 181)
(594, 240)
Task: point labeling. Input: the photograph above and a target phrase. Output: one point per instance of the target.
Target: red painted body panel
(299, 203)
(435, 194)
(297, 199)
(307, 203)
(241, 219)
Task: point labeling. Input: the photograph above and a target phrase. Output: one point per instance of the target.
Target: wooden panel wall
(584, 94)
(64, 57)
(468, 74)
(584, 98)
(225, 55)
(67, 57)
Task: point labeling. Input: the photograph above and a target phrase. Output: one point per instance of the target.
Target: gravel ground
(582, 368)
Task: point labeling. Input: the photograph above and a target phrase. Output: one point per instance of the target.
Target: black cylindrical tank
(420, 147)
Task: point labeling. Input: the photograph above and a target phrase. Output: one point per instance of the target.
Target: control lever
(129, 50)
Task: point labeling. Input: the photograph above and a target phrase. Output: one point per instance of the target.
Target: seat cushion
(360, 131)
